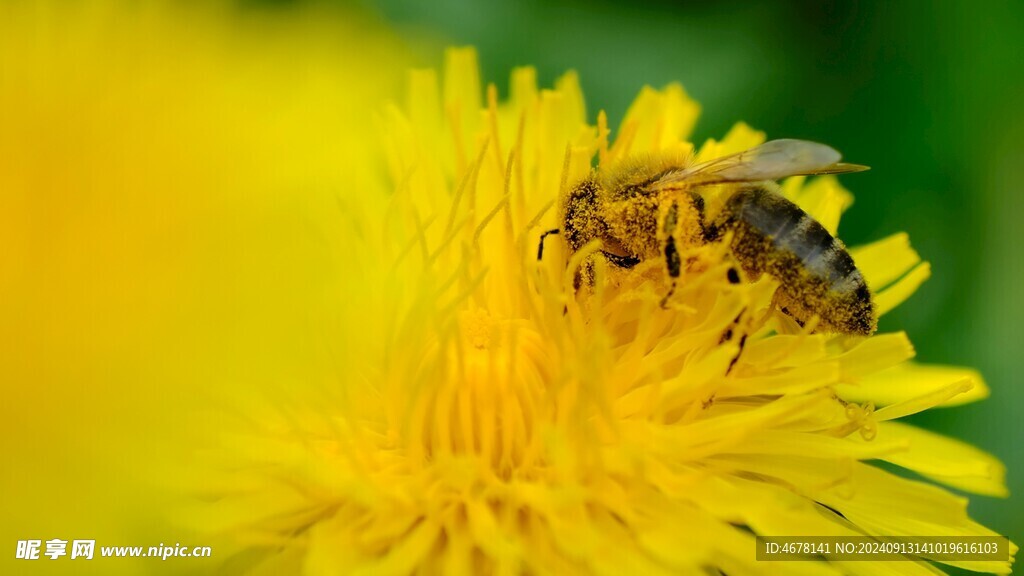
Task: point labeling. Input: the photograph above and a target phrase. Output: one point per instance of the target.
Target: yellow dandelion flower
(489, 417)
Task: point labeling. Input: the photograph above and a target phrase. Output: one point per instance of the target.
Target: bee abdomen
(819, 252)
(818, 277)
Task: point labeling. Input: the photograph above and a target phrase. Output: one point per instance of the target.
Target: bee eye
(733, 276)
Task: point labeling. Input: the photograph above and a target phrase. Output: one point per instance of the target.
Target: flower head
(489, 416)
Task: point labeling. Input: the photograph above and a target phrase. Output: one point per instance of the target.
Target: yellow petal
(904, 288)
(656, 120)
(924, 401)
(821, 446)
(885, 260)
(739, 138)
(910, 380)
(875, 354)
(423, 105)
(772, 510)
(462, 98)
(522, 88)
(944, 459)
(784, 351)
(892, 269)
(795, 380)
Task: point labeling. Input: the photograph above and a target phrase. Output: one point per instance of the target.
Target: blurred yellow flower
(486, 418)
(168, 181)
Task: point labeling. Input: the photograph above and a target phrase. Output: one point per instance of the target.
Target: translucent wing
(772, 160)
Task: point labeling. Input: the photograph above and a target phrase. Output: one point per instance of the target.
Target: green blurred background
(928, 94)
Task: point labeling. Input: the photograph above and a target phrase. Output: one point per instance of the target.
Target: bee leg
(674, 264)
(728, 336)
(621, 261)
(729, 332)
(671, 291)
(540, 247)
(736, 358)
(702, 220)
(672, 260)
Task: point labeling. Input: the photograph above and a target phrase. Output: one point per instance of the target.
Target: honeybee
(656, 208)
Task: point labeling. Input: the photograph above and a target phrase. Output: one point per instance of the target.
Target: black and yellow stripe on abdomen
(817, 275)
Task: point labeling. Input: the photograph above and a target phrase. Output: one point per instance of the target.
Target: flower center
(486, 408)
(478, 328)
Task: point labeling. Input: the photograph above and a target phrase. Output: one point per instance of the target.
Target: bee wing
(772, 160)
